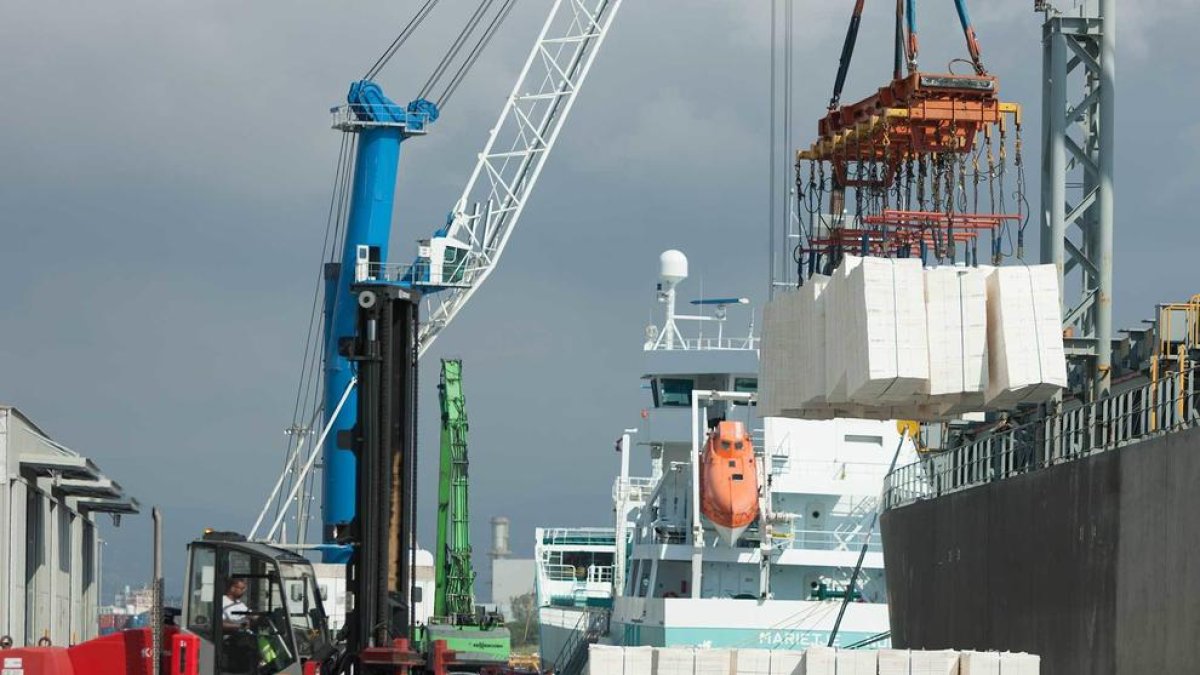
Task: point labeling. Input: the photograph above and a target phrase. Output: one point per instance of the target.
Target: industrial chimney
(500, 548)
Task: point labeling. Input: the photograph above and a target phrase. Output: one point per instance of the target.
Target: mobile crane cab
(280, 623)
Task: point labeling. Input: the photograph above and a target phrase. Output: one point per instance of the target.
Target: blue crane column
(381, 126)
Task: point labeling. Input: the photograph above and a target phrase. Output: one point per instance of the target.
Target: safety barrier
(1125, 418)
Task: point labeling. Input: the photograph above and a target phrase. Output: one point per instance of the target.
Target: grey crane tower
(1078, 133)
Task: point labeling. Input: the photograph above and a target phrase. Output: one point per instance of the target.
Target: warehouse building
(50, 497)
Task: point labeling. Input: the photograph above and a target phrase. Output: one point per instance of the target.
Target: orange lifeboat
(729, 480)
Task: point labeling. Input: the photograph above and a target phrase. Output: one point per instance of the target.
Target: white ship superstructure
(782, 583)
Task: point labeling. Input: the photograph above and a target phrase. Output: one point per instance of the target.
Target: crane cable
(405, 33)
(456, 47)
(310, 375)
(476, 51)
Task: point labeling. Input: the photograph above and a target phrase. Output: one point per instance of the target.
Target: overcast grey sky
(165, 168)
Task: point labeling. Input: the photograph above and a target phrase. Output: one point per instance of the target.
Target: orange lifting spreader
(922, 113)
(930, 164)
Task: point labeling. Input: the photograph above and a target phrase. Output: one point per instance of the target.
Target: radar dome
(673, 266)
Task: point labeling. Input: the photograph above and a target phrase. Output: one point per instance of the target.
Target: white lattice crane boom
(457, 260)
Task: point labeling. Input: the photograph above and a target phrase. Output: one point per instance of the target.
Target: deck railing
(1131, 416)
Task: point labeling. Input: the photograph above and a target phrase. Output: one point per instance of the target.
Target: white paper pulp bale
(887, 349)
(1020, 664)
(895, 662)
(979, 663)
(839, 329)
(810, 314)
(713, 662)
(787, 662)
(772, 372)
(752, 662)
(674, 661)
(857, 662)
(605, 660)
(1026, 360)
(820, 661)
(956, 314)
(639, 660)
(934, 663)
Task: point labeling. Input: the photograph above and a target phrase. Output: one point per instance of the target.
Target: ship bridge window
(673, 393)
(748, 385)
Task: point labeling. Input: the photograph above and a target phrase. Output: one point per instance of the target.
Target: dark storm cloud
(165, 174)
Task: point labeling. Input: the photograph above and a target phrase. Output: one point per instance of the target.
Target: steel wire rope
(405, 33)
(455, 47)
(339, 207)
(480, 46)
(772, 162)
(303, 385)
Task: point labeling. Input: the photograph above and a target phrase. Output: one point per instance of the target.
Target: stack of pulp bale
(887, 339)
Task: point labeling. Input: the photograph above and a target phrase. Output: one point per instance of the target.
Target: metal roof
(72, 473)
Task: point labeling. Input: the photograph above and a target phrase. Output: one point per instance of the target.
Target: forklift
(277, 626)
(250, 608)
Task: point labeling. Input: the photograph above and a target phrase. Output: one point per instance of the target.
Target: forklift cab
(279, 624)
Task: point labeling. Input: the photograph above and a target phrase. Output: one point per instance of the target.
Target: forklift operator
(234, 611)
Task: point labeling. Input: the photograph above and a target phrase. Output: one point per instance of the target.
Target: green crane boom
(454, 596)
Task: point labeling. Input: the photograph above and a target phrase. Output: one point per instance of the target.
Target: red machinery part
(36, 661)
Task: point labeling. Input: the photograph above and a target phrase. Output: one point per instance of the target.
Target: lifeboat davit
(729, 480)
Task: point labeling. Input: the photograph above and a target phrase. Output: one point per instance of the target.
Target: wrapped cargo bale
(713, 662)
(857, 662)
(787, 662)
(1026, 359)
(979, 663)
(934, 663)
(639, 660)
(956, 317)
(886, 357)
(811, 317)
(674, 660)
(785, 368)
(752, 662)
(839, 330)
(605, 660)
(1020, 664)
(820, 661)
(895, 662)
(772, 374)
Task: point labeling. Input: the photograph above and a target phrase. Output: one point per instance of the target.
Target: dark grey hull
(1094, 564)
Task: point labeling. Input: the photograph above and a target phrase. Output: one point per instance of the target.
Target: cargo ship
(1066, 535)
(749, 547)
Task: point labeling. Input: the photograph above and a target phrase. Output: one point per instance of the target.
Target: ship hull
(1089, 564)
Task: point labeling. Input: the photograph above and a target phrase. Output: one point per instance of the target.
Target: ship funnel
(673, 267)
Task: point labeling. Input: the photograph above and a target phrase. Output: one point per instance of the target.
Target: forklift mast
(381, 535)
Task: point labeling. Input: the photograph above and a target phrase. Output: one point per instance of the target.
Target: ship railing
(421, 274)
(828, 540)
(350, 117)
(579, 536)
(634, 490)
(701, 344)
(593, 574)
(1137, 414)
